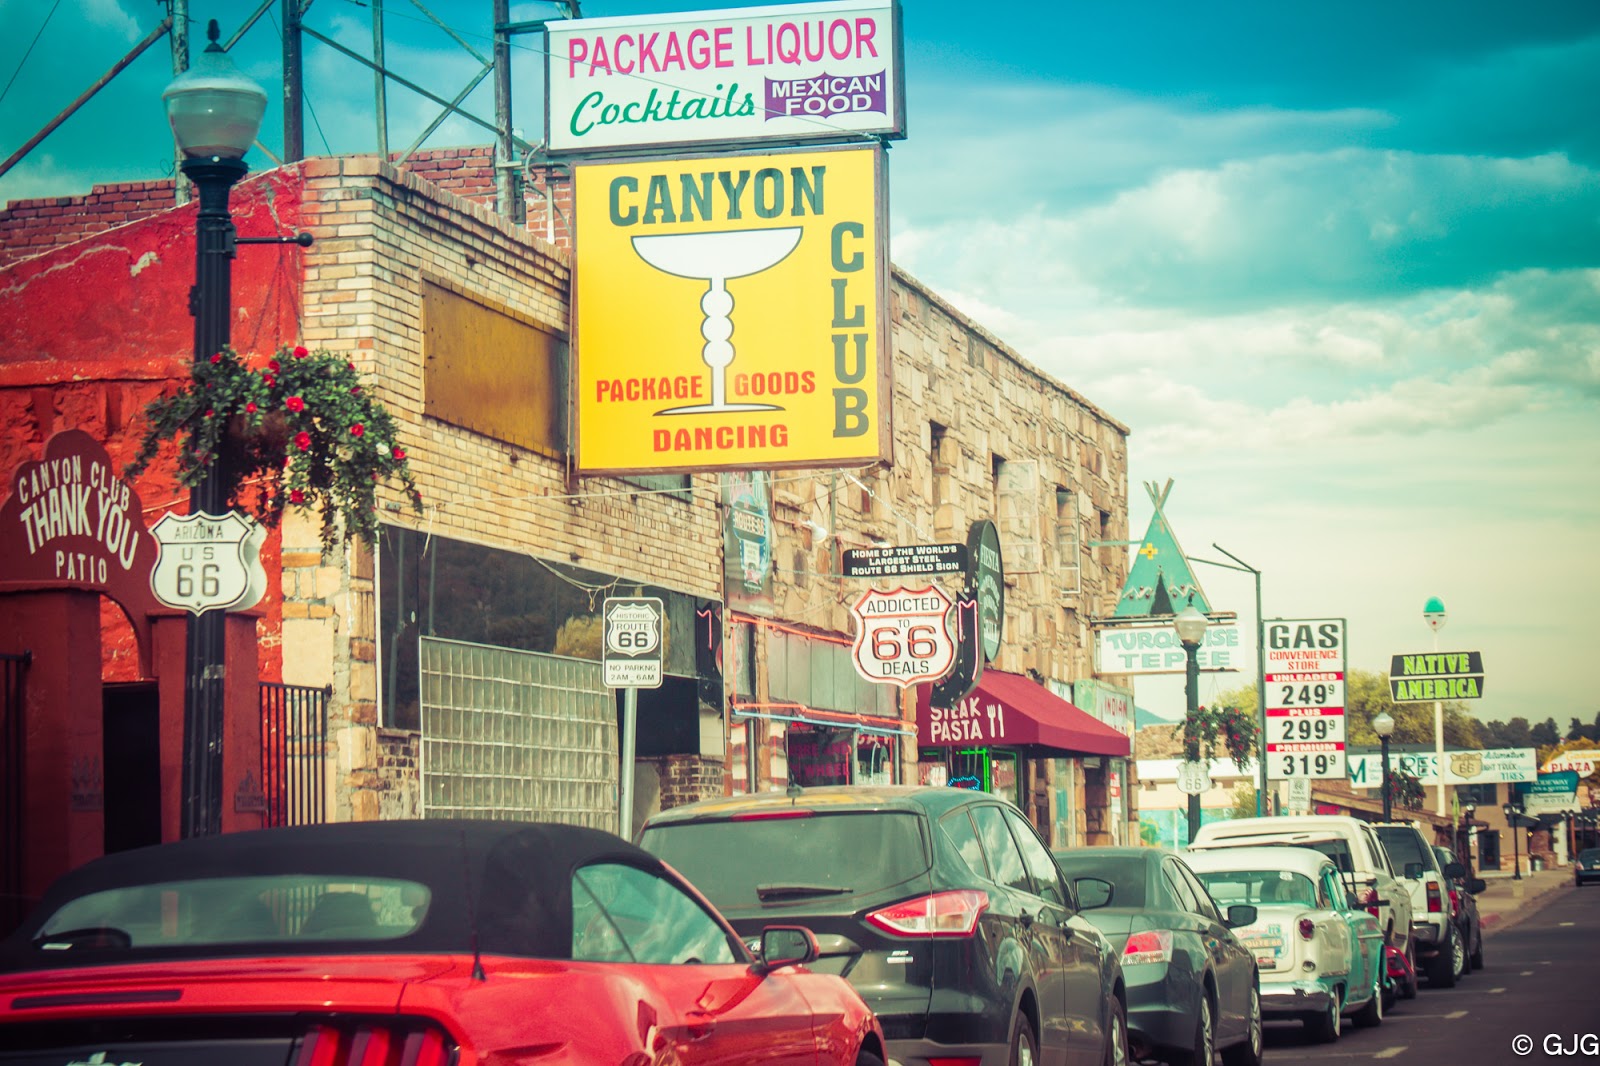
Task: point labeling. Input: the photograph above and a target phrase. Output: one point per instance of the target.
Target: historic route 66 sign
(208, 562)
(1193, 778)
(631, 651)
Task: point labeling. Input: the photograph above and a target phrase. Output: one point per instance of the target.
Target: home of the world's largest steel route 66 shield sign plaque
(631, 651)
(901, 635)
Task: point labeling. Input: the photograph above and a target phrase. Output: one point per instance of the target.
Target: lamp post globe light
(215, 113)
(1383, 725)
(1191, 627)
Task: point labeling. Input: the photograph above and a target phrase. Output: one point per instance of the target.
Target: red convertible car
(432, 943)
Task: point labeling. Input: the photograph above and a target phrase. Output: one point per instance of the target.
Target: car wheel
(1248, 1051)
(1475, 960)
(1371, 1016)
(1024, 1046)
(1117, 1035)
(1458, 952)
(867, 1058)
(1442, 970)
(1204, 1048)
(1323, 1027)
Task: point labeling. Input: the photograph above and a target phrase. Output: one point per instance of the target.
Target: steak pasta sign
(787, 73)
(729, 312)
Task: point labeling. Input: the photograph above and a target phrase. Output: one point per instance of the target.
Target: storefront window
(874, 760)
(819, 755)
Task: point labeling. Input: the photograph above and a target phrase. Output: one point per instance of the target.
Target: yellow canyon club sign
(730, 312)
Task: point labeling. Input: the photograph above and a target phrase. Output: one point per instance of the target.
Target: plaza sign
(796, 72)
(729, 312)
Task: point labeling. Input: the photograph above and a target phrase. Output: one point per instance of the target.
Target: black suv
(941, 905)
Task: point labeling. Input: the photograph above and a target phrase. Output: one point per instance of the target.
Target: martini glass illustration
(715, 258)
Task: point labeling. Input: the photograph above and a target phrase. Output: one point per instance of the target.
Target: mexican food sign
(789, 73)
(729, 312)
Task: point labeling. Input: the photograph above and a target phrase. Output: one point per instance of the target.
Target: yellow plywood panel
(493, 372)
(731, 312)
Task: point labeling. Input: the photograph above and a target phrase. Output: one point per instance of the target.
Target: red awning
(1011, 711)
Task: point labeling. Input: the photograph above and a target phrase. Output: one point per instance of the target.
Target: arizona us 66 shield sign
(901, 636)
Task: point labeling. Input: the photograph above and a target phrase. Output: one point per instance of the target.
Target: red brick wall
(29, 227)
(687, 778)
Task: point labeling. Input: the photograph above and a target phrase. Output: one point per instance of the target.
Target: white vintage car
(1320, 957)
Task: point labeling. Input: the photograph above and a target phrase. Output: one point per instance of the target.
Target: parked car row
(850, 926)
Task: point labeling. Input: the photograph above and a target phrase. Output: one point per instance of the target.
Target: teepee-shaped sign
(1160, 582)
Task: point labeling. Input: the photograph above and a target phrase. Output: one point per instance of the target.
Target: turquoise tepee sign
(1160, 582)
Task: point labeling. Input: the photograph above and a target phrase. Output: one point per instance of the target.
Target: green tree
(1545, 734)
(1244, 800)
(1367, 694)
(1578, 730)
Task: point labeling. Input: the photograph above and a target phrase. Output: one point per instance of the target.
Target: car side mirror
(1476, 885)
(1412, 871)
(785, 945)
(1092, 892)
(1455, 871)
(1240, 914)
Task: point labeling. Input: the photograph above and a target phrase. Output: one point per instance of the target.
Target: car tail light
(1455, 901)
(374, 1044)
(1152, 946)
(1435, 898)
(1307, 928)
(766, 816)
(940, 914)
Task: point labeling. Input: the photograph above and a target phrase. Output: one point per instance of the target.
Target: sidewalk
(1506, 900)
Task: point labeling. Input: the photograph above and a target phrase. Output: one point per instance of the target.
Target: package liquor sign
(901, 635)
(1304, 676)
(729, 312)
(794, 72)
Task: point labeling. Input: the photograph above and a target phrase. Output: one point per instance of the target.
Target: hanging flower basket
(1203, 730)
(299, 431)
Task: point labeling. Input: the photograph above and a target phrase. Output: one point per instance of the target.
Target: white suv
(1440, 952)
(1354, 849)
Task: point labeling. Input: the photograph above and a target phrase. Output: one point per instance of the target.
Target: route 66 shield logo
(1466, 764)
(205, 562)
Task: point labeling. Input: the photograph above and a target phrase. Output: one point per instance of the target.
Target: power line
(29, 52)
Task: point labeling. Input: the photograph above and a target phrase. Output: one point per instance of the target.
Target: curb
(1532, 903)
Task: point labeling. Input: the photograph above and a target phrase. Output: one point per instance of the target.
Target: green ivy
(302, 431)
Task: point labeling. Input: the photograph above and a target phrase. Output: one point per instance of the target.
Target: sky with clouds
(1337, 268)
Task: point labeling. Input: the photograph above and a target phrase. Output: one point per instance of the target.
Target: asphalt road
(1540, 981)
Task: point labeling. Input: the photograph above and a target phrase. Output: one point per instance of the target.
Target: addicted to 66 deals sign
(1304, 675)
(729, 312)
(790, 72)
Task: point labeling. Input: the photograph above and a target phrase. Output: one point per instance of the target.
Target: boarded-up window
(493, 371)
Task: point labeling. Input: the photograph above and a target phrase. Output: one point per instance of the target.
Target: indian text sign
(791, 72)
(729, 312)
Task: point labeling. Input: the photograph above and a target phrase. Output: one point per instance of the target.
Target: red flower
(400, 453)
(352, 366)
(296, 496)
(300, 353)
(302, 440)
(269, 379)
(215, 359)
(250, 407)
(357, 429)
(295, 404)
(211, 414)
(273, 366)
(355, 390)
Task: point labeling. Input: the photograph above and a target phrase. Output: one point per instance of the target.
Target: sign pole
(630, 724)
(1433, 613)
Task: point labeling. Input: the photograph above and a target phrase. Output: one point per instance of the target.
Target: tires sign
(632, 646)
(901, 635)
(1305, 690)
(208, 562)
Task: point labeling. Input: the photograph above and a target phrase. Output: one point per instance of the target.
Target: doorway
(132, 761)
(1488, 849)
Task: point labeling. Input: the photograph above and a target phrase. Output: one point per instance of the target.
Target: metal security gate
(294, 744)
(516, 735)
(13, 670)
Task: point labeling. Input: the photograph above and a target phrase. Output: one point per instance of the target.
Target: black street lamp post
(1514, 820)
(1191, 627)
(215, 113)
(1383, 725)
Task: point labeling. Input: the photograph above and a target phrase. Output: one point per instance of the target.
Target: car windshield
(1404, 846)
(1588, 855)
(1266, 887)
(1126, 873)
(233, 910)
(744, 863)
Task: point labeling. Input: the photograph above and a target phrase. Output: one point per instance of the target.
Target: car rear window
(1126, 873)
(743, 864)
(1404, 846)
(1259, 886)
(235, 910)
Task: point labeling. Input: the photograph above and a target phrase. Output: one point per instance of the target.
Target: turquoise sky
(1338, 268)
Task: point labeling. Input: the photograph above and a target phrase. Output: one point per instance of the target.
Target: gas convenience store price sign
(1305, 697)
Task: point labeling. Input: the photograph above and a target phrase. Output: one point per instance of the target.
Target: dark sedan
(436, 943)
(1586, 867)
(1192, 986)
(941, 905)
